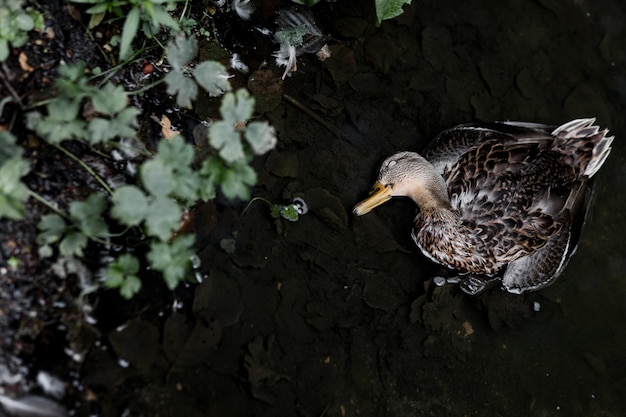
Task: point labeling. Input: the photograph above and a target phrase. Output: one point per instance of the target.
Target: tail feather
(600, 153)
(584, 144)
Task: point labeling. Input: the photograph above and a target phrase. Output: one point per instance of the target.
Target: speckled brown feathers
(517, 196)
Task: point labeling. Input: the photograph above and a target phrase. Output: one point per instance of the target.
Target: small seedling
(291, 212)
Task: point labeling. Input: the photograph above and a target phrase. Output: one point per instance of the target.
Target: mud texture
(333, 315)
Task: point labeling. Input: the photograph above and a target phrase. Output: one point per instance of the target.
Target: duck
(499, 202)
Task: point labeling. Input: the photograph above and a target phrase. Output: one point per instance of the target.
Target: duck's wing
(445, 150)
(541, 268)
(500, 192)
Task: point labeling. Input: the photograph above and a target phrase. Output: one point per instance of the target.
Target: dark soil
(334, 315)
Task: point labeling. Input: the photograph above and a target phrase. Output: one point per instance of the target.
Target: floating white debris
(32, 405)
(243, 8)
(237, 64)
(439, 281)
(51, 385)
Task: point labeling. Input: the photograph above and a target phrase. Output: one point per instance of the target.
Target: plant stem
(86, 167)
(252, 201)
(147, 87)
(47, 203)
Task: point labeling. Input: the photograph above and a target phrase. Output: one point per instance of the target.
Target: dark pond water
(335, 316)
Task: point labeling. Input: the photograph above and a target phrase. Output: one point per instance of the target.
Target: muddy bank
(337, 316)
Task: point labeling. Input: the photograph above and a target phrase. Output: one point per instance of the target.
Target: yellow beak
(378, 196)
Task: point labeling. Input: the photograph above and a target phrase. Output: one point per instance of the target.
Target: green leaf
(224, 137)
(73, 244)
(130, 287)
(63, 110)
(72, 72)
(122, 274)
(213, 77)
(157, 178)
(114, 277)
(176, 152)
(100, 130)
(172, 259)
(24, 22)
(4, 49)
(8, 148)
(188, 186)
(98, 9)
(109, 100)
(181, 50)
(123, 125)
(129, 31)
(45, 251)
(163, 217)
(210, 171)
(130, 205)
(289, 212)
(125, 122)
(56, 132)
(292, 36)
(388, 9)
(237, 107)
(52, 227)
(62, 122)
(128, 264)
(161, 16)
(13, 192)
(179, 155)
(237, 181)
(11, 208)
(182, 87)
(88, 215)
(261, 137)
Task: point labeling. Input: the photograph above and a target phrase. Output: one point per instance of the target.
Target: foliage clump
(15, 23)
(169, 180)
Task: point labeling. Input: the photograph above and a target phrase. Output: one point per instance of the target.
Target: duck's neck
(431, 193)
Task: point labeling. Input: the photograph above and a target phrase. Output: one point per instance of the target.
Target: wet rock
(198, 343)
(282, 164)
(382, 293)
(483, 104)
(267, 89)
(449, 324)
(363, 364)
(175, 332)
(371, 231)
(595, 362)
(588, 98)
(341, 64)
(321, 315)
(425, 79)
(260, 366)
(437, 46)
(505, 309)
(329, 106)
(327, 208)
(368, 83)
(220, 295)
(498, 79)
(382, 52)
(351, 27)
(136, 342)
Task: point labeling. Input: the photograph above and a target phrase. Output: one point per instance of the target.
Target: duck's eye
(392, 163)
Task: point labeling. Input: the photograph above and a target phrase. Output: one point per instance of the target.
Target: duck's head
(406, 174)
